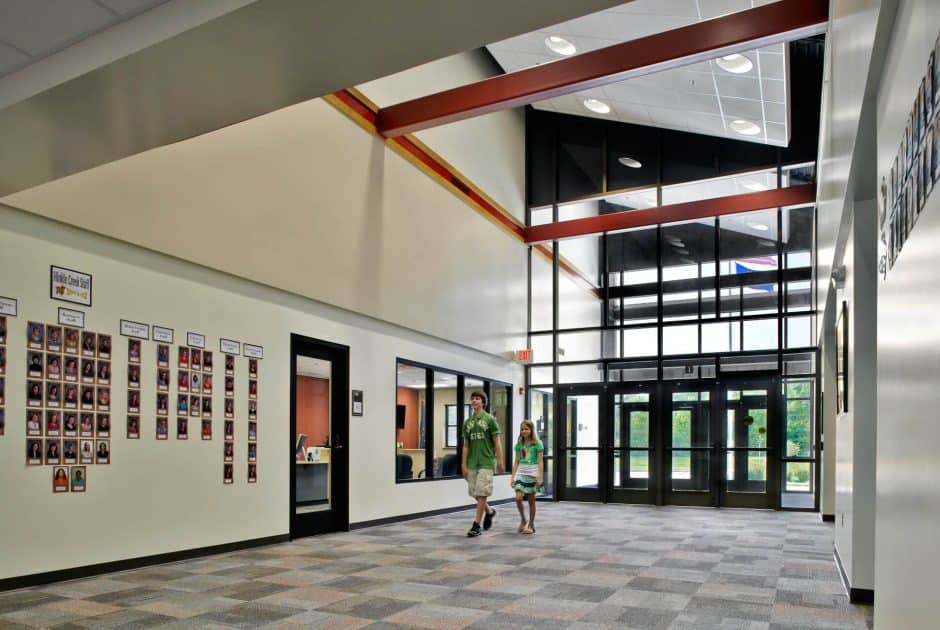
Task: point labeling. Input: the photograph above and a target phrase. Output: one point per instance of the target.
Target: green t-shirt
(528, 457)
(478, 432)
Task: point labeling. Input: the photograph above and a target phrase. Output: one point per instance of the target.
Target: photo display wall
(916, 168)
(3, 374)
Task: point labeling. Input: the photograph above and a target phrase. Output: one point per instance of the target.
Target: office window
(450, 420)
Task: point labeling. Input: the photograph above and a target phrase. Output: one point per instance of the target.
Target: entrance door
(748, 457)
(319, 499)
(633, 467)
(581, 411)
(691, 441)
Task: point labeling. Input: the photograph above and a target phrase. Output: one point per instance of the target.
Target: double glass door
(682, 443)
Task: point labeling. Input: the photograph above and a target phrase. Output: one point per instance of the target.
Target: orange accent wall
(313, 409)
(409, 435)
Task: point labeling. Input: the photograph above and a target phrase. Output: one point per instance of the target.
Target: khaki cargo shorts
(480, 482)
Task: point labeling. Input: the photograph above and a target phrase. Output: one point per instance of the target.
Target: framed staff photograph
(252, 390)
(70, 452)
(195, 382)
(3, 391)
(252, 451)
(252, 473)
(86, 425)
(89, 344)
(195, 406)
(252, 368)
(228, 473)
(133, 350)
(70, 370)
(35, 335)
(70, 424)
(206, 407)
(53, 338)
(53, 367)
(60, 479)
(33, 423)
(207, 383)
(34, 452)
(53, 395)
(53, 452)
(182, 428)
(182, 381)
(163, 429)
(163, 380)
(252, 430)
(206, 431)
(229, 385)
(919, 120)
(133, 376)
(86, 452)
(104, 399)
(104, 372)
(163, 403)
(252, 409)
(230, 364)
(103, 429)
(3, 360)
(34, 364)
(183, 357)
(195, 359)
(104, 346)
(53, 424)
(88, 371)
(3, 421)
(133, 400)
(71, 340)
(87, 400)
(182, 404)
(103, 452)
(935, 151)
(207, 361)
(228, 452)
(229, 430)
(163, 355)
(34, 393)
(77, 475)
(229, 408)
(133, 427)
(3, 329)
(936, 73)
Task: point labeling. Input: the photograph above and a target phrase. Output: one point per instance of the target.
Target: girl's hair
(533, 436)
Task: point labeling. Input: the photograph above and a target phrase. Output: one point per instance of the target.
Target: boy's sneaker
(474, 530)
(488, 519)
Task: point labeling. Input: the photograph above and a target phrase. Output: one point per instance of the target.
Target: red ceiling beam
(792, 196)
(735, 33)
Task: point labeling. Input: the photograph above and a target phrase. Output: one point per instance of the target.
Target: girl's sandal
(528, 530)
(521, 528)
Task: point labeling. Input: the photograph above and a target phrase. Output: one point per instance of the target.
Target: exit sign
(524, 356)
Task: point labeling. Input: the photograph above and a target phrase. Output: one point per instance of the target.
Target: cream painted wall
(490, 149)
(305, 201)
(158, 497)
(907, 550)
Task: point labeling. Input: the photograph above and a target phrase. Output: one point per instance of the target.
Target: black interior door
(688, 411)
(319, 490)
(632, 464)
(749, 461)
(582, 440)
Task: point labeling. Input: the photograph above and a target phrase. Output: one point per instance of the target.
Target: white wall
(159, 497)
(908, 510)
(304, 200)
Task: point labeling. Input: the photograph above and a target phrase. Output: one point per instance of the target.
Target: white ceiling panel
(777, 132)
(11, 58)
(699, 98)
(128, 7)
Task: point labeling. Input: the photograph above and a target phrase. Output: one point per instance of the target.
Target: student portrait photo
(86, 425)
(104, 425)
(228, 473)
(70, 425)
(86, 452)
(207, 361)
(133, 350)
(252, 473)
(53, 367)
(69, 451)
(54, 338)
(162, 428)
(230, 364)
(103, 452)
(53, 423)
(163, 355)
(207, 429)
(228, 452)
(35, 335)
(104, 372)
(182, 428)
(195, 359)
(34, 364)
(33, 452)
(78, 479)
(88, 370)
(34, 393)
(88, 344)
(104, 346)
(133, 427)
(71, 341)
(60, 480)
(53, 452)
(33, 423)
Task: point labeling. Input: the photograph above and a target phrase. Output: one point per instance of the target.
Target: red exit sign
(524, 356)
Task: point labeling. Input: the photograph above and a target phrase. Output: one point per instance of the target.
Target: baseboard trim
(829, 518)
(90, 570)
(856, 595)
(416, 515)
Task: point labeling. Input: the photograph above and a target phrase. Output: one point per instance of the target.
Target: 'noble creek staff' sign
(69, 285)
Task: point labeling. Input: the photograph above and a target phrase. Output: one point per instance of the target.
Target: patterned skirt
(526, 485)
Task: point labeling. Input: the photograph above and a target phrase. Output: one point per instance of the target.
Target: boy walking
(482, 453)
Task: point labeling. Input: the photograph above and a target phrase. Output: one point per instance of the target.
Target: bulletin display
(228, 445)
(916, 168)
(3, 375)
(68, 400)
(253, 385)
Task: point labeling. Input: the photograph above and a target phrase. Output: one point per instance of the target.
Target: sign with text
(69, 285)
(7, 306)
(68, 317)
(163, 335)
(357, 402)
(230, 347)
(195, 340)
(135, 329)
(524, 356)
(253, 352)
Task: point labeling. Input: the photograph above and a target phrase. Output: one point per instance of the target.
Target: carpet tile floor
(588, 566)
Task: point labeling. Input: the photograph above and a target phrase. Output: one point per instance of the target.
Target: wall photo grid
(916, 167)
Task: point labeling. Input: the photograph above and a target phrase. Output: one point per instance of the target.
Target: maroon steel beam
(735, 33)
(792, 196)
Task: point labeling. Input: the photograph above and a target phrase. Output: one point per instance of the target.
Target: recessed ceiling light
(630, 162)
(760, 227)
(599, 107)
(745, 127)
(755, 186)
(738, 64)
(560, 46)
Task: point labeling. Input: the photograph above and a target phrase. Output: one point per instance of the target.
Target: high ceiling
(700, 98)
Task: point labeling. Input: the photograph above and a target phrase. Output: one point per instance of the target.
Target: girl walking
(526, 477)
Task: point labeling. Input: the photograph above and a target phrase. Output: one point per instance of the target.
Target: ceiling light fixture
(560, 46)
(596, 106)
(738, 64)
(630, 162)
(755, 186)
(760, 227)
(745, 127)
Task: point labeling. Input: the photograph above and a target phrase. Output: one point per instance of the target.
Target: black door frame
(649, 495)
(678, 496)
(337, 517)
(564, 493)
